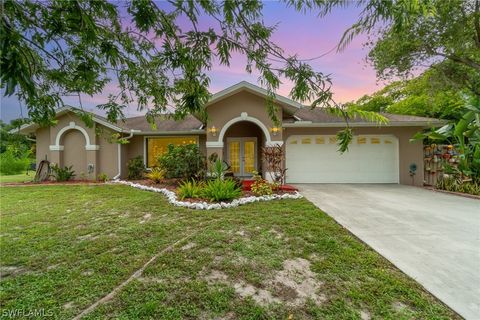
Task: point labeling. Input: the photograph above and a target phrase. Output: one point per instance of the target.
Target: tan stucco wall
(73, 155)
(107, 160)
(408, 152)
(64, 121)
(231, 107)
(42, 144)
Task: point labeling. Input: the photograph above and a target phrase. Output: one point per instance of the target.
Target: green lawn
(22, 177)
(64, 247)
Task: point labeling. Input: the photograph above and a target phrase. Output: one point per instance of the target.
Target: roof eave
(310, 124)
(169, 133)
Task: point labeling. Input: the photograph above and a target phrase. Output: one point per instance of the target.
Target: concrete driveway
(433, 237)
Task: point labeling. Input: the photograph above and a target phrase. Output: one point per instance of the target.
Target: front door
(242, 156)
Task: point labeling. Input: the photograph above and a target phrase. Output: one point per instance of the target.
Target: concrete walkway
(433, 237)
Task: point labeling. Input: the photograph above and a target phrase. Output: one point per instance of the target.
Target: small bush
(156, 175)
(10, 164)
(102, 177)
(136, 168)
(450, 183)
(218, 169)
(261, 187)
(185, 162)
(221, 190)
(190, 189)
(63, 174)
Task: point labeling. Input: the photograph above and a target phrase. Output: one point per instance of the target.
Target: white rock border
(172, 198)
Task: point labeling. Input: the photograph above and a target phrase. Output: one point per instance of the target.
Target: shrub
(274, 159)
(221, 190)
(184, 161)
(190, 189)
(261, 187)
(102, 177)
(136, 168)
(218, 169)
(10, 164)
(63, 174)
(156, 175)
(451, 183)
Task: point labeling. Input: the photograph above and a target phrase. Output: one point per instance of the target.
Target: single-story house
(237, 127)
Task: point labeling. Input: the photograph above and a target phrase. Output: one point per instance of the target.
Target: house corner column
(56, 157)
(217, 150)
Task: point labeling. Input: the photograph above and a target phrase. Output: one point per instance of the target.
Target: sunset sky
(304, 34)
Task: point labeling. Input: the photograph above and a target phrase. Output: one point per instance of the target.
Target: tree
(20, 143)
(443, 36)
(418, 97)
(465, 134)
(50, 49)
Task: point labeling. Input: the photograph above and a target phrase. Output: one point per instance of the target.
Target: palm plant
(465, 134)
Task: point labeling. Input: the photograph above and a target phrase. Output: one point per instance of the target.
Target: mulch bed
(172, 184)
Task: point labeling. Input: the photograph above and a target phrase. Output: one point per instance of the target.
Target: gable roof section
(319, 117)
(247, 86)
(31, 127)
(135, 125)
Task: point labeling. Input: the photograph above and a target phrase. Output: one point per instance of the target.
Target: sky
(304, 34)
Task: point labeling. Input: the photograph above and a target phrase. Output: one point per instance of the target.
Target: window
(332, 140)
(306, 141)
(156, 146)
(375, 140)
(361, 140)
(320, 140)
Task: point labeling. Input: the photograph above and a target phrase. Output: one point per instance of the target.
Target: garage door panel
(321, 163)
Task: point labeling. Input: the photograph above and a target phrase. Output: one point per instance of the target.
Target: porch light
(213, 130)
(275, 130)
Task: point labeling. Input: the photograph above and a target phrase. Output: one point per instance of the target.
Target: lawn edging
(172, 198)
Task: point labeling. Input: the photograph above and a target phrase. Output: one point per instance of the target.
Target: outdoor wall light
(213, 130)
(275, 130)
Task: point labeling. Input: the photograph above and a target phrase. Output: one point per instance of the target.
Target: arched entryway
(74, 153)
(242, 150)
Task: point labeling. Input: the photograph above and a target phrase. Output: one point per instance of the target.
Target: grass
(67, 246)
(21, 177)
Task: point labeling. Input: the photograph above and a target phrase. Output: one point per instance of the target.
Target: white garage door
(315, 159)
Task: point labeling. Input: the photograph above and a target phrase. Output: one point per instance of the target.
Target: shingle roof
(319, 116)
(163, 124)
(301, 116)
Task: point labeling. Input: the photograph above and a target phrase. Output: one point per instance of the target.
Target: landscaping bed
(200, 203)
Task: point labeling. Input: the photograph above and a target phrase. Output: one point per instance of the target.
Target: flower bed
(203, 205)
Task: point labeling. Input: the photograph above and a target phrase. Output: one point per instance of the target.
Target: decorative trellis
(436, 158)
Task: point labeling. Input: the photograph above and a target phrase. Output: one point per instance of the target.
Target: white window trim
(164, 137)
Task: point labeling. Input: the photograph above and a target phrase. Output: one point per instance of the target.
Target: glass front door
(242, 155)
